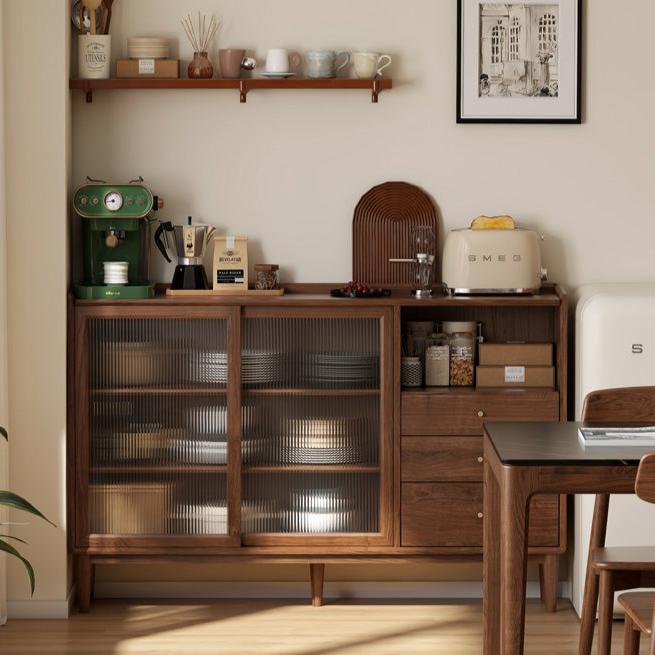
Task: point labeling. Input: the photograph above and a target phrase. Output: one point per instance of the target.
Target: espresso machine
(190, 243)
(117, 235)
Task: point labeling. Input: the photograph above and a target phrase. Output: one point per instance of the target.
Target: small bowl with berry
(360, 290)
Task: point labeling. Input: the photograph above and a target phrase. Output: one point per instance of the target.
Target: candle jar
(200, 67)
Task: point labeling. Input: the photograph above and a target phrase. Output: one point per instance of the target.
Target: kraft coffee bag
(231, 263)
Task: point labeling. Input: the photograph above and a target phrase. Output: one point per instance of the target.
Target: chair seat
(638, 606)
(635, 558)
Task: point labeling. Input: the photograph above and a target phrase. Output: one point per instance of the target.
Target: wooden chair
(612, 569)
(639, 606)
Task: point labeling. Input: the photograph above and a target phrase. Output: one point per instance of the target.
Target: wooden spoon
(107, 15)
(91, 6)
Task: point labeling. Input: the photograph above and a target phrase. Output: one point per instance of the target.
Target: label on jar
(514, 374)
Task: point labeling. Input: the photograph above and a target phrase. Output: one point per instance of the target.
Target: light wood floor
(284, 628)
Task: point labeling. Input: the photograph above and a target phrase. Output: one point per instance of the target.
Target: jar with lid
(437, 361)
(267, 277)
(462, 364)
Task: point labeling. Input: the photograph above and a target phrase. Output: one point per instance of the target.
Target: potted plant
(14, 501)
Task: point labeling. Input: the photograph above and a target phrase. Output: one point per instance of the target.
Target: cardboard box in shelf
(515, 376)
(148, 68)
(516, 354)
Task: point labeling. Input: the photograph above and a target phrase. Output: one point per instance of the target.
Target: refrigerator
(614, 347)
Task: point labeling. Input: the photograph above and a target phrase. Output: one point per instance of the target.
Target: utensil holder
(94, 56)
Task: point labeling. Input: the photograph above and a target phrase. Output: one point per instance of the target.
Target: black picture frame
(577, 120)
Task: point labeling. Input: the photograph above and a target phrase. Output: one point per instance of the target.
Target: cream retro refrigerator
(614, 347)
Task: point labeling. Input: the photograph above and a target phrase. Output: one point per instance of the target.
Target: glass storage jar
(462, 364)
(267, 277)
(437, 361)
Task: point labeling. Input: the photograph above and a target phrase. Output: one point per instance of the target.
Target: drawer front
(465, 412)
(441, 459)
(450, 515)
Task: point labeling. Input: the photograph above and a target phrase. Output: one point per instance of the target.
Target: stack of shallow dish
(198, 451)
(342, 370)
(257, 367)
(319, 510)
(199, 519)
(147, 47)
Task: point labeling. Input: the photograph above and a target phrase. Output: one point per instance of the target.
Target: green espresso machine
(117, 235)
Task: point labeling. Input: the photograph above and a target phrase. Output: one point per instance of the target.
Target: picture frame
(519, 61)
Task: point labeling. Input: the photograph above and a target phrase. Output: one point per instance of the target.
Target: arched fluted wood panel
(382, 229)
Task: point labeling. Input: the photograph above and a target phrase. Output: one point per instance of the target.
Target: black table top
(543, 444)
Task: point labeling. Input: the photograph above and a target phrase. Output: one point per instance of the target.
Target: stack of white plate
(257, 367)
(147, 47)
(342, 370)
(197, 451)
(116, 272)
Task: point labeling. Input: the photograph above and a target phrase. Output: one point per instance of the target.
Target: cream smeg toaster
(492, 261)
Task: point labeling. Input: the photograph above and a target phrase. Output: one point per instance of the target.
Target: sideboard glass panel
(311, 425)
(158, 427)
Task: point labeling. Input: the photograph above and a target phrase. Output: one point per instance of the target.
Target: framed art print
(519, 62)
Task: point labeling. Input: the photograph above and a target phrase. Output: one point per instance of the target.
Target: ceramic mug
(323, 63)
(281, 61)
(368, 65)
(232, 61)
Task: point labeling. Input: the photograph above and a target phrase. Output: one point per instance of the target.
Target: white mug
(368, 65)
(282, 61)
(325, 63)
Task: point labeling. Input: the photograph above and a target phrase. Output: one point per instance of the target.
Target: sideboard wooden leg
(550, 582)
(83, 583)
(317, 574)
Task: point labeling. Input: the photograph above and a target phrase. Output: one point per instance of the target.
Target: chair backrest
(645, 484)
(625, 405)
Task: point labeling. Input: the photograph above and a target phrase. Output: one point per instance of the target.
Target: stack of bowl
(147, 47)
(116, 272)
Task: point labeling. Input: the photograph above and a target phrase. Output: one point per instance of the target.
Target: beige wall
(36, 43)
(287, 168)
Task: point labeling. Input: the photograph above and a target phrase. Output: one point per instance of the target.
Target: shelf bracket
(376, 90)
(243, 91)
(88, 92)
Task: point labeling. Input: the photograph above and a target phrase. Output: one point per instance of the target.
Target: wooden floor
(284, 628)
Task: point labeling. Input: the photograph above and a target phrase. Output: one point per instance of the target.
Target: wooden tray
(382, 229)
(225, 292)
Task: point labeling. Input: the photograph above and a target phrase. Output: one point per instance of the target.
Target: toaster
(492, 262)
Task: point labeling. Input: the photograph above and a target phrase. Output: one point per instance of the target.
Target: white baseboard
(299, 589)
(40, 609)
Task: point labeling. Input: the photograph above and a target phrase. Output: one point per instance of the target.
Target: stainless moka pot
(190, 243)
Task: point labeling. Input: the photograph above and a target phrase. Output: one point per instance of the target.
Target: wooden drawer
(450, 515)
(441, 459)
(464, 412)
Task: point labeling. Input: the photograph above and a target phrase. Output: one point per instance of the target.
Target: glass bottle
(437, 361)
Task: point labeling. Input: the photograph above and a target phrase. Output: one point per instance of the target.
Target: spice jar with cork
(267, 277)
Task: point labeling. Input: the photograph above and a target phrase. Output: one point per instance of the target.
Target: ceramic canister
(94, 56)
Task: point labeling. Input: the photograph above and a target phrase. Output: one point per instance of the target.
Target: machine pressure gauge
(113, 201)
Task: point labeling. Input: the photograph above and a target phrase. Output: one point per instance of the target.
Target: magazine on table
(616, 436)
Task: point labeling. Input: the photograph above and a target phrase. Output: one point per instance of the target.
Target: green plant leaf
(8, 536)
(4, 433)
(28, 567)
(10, 499)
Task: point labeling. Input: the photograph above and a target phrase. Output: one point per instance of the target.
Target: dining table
(522, 460)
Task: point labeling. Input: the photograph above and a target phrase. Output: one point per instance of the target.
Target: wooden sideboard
(195, 424)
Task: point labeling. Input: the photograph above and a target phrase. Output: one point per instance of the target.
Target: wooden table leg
(590, 598)
(549, 582)
(491, 563)
(317, 574)
(515, 495)
(631, 638)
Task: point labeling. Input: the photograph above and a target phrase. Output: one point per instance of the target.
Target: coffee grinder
(425, 247)
(116, 235)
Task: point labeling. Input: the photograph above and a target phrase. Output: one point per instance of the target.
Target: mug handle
(346, 60)
(385, 65)
(295, 60)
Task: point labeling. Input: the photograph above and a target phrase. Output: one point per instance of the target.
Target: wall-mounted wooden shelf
(243, 86)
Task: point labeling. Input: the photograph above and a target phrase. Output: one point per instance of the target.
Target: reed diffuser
(200, 35)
